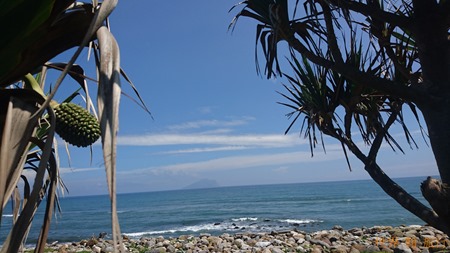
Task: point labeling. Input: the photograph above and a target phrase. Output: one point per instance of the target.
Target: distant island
(202, 184)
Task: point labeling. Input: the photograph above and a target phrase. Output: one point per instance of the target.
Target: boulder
(402, 248)
(96, 249)
(339, 249)
(317, 249)
(262, 244)
(354, 250)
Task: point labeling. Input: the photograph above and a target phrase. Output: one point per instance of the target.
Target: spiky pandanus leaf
(76, 125)
(108, 100)
(18, 128)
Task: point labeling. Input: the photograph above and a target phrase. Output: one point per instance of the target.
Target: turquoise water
(304, 206)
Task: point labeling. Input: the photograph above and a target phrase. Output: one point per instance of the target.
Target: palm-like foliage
(360, 68)
(309, 95)
(43, 29)
(39, 34)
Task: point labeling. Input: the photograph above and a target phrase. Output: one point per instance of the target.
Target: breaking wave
(234, 225)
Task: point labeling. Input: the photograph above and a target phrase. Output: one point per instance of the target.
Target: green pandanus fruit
(76, 125)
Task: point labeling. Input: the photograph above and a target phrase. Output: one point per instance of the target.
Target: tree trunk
(397, 192)
(438, 123)
(436, 192)
(430, 31)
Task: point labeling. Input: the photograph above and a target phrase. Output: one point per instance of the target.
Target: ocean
(263, 208)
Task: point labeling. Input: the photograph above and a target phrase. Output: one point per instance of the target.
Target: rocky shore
(402, 239)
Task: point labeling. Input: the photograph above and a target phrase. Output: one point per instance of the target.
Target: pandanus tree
(356, 66)
(33, 33)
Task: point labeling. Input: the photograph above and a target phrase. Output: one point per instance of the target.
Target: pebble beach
(401, 239)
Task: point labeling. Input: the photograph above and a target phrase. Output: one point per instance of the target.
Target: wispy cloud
(201, 150)
(281, 169)
(210, 123)
(218, 131)
(253, 140)
(31, 173)
(280, 160)
(77, 170)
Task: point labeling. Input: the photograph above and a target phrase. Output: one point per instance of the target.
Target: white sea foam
(306, 221)
(7, 215)
(202, 227)
(245, 219)
(194, 229)
(140, 234)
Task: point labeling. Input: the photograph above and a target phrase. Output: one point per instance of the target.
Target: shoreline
(400, 239)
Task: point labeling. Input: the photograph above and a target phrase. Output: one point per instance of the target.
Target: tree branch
(384, 43)
(391, 188)
(425, 5)
(445, 9)
(386, 183)
(394, 190)
(411, 93)
(404, 198)
(315, 58)
(331, 35)
(376, 144)
(376, 13)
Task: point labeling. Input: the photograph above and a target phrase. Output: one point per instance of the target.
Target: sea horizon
(66, 195)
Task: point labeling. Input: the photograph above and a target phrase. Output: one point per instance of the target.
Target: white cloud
(76, 170)
(218, 131)
(242, 162)
(252, 140)
(210, 123)
(281, 169)
(201, 150)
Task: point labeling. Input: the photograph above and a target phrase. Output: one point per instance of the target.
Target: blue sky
(214, 117)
